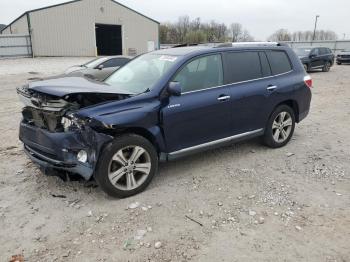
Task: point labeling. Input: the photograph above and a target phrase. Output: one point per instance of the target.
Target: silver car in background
(99, 68)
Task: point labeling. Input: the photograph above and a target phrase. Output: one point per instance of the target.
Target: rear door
(202, 113)
(255, 85)
(316, 58)
(244, 75)
(329, 55)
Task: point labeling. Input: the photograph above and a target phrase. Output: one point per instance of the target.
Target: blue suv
(161, 106)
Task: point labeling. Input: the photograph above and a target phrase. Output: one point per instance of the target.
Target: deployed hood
(61, 87)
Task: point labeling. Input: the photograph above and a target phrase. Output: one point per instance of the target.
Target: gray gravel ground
(254, 203)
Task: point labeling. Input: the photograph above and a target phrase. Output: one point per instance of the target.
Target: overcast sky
(260, 17)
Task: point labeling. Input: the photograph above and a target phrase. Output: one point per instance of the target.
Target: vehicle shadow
(181, 168)
(170, 172)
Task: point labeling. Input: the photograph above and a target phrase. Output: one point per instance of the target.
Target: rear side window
(279, 62)
(242, 66)
(265, 66)
(201, 73)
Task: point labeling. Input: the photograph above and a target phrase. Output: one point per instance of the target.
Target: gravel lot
(252, 203)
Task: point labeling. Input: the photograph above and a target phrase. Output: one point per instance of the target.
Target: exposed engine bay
(48, 111)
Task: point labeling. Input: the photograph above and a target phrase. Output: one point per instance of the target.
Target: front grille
(345, 56)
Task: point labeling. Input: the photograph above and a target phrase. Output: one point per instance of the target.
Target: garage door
(109, 40)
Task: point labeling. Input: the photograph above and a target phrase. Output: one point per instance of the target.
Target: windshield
(302, 51)
(95, 62)
(142, 73)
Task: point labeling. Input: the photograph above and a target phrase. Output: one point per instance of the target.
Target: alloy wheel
(129, 168)
(282, 127)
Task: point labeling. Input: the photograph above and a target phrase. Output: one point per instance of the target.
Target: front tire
(126, 166)
(280, 127)
(306, 67)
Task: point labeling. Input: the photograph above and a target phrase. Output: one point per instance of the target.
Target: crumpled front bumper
(59, 150)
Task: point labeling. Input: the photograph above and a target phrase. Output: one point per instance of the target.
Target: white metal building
(87, 28)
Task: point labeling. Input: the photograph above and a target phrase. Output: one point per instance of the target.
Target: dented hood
(61, 87)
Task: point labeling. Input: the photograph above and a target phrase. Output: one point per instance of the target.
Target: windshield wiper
(146, 91)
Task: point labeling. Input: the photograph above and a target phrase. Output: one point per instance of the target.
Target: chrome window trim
(237, 83)
(211, 143)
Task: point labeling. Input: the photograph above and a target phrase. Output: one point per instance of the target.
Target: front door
(202, 113)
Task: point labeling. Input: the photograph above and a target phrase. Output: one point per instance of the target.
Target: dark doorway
(109, 39)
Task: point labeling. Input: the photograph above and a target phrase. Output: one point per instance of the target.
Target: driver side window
(201, 73)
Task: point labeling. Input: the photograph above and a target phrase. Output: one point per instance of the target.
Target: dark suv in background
(315, 58)
(161, 106)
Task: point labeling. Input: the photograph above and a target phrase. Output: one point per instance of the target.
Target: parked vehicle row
(161, 106)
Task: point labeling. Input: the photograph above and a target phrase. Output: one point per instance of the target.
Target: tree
(246, 37)
(280, 35)
(195, 37)
(183, 25)
(308, 35)
(236, 31)
(195, 31)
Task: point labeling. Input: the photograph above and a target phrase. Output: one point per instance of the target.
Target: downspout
(30, 33)
(158, 36)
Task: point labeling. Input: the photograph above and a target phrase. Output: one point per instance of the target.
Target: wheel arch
(143, 132)
(292, 104)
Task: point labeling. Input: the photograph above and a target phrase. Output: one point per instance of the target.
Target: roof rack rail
(233, 44)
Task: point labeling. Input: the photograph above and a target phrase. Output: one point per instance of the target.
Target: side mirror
(174, 88)
(100, 67)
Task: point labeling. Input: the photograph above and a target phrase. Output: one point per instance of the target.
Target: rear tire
(126, 166)
(326, 67)
(280, 127)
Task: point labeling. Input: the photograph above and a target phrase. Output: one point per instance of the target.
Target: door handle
(223, 98)
(271, 88)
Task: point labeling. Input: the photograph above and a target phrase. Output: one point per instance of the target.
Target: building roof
(70, 2)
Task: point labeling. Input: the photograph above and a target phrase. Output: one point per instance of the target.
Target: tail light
(308, 81)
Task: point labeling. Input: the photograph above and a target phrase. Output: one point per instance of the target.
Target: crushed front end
(54, 137)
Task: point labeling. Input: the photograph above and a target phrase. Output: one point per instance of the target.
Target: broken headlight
(72, 122)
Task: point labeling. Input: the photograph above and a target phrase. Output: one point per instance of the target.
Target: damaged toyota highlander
(161, 106)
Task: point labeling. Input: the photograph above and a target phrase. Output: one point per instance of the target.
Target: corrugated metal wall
(69, 30)
(15, 46)
(19, 27)
(335, 46)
